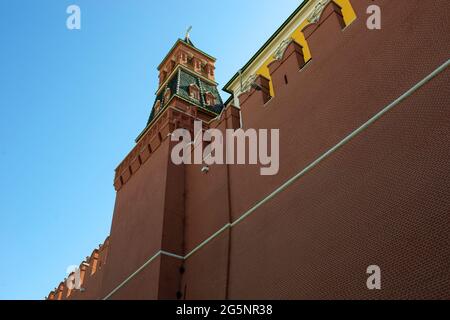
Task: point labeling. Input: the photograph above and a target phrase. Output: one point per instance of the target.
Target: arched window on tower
(209, 69)
(210, 99)
(190, 60)
(157, 106)
(167, 95)
(194, 91)
(173, 63)
(162, 77)
(183, 57)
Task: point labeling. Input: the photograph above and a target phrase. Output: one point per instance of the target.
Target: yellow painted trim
(347, 11)
(349, 16)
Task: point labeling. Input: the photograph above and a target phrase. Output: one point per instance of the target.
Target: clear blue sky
(71, 104)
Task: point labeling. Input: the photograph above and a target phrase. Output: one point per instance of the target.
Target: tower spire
(186, 80)
(187, 38)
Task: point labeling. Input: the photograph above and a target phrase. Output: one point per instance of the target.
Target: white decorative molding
(270, 49)
(317, 12)
(247, 84)
(278, 55)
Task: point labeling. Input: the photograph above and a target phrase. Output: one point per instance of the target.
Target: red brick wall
(381, 199)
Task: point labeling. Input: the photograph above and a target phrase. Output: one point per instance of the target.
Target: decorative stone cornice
(278, 55)
(317, 12)
(247, 84)
(270, 47)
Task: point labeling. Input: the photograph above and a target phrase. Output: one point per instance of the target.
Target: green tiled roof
(179, 86)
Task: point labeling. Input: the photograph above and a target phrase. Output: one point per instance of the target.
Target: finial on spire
(188, 33)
